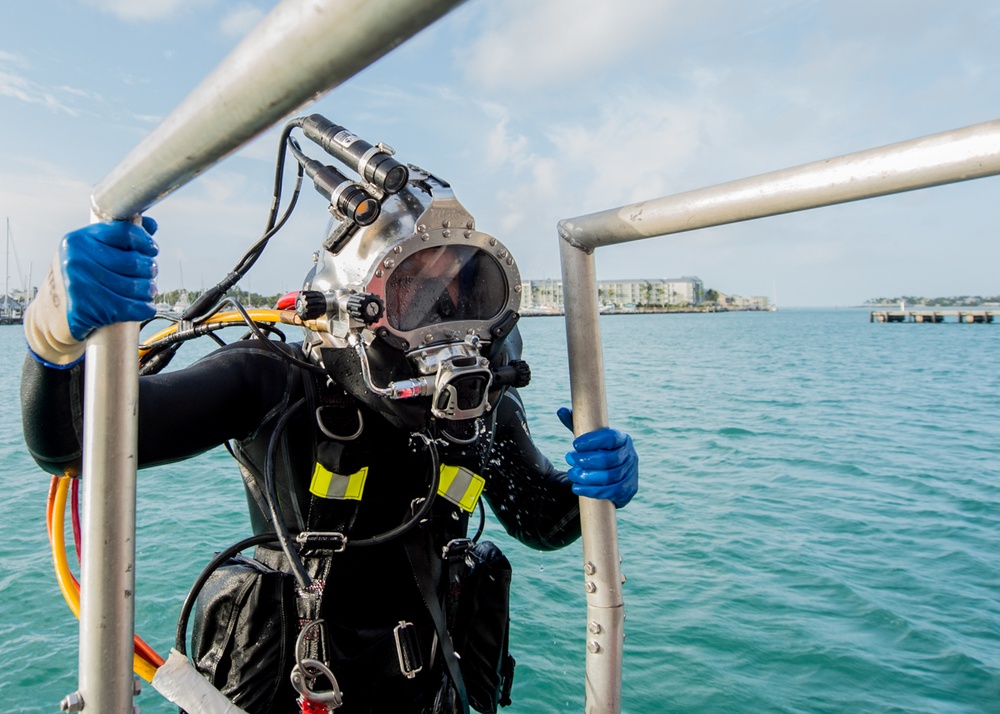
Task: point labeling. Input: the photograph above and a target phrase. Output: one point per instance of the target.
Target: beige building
(542, 295)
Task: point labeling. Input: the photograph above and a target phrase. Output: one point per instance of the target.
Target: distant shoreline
(648, 311)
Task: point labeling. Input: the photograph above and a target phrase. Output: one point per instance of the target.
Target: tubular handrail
(948, 157)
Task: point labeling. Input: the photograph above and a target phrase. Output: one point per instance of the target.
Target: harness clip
(408, 649)
(456, 549)
(307, 672)
(334, 541)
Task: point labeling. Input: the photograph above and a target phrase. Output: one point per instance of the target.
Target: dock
(966, 316)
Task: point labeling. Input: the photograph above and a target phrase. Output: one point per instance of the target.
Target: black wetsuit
(241, 393)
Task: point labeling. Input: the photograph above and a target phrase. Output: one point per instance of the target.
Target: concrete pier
(967, 316)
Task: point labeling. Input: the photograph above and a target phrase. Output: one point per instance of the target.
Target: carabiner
(307, 670)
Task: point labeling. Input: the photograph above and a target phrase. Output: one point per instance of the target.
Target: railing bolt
(72, 703)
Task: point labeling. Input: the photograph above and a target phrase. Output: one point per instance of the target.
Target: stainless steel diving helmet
(411, 312)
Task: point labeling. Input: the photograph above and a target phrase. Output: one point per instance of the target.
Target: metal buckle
(408, 649)
(456, 548)
(334, 541)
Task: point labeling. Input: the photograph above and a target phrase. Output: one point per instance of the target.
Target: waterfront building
(547, 294)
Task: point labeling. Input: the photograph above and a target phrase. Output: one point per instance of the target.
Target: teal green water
(818, 528)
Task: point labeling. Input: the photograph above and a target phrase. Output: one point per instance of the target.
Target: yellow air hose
(68, 583)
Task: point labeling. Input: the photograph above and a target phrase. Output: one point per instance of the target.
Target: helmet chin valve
(457, 379)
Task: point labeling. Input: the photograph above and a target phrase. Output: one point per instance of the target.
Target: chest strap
(426, 572)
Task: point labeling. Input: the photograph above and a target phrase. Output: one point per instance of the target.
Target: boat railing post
(601, 560)
(302, 49)
(107, 550)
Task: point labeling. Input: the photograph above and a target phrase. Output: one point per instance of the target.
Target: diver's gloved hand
(101, 274)
(603, 463)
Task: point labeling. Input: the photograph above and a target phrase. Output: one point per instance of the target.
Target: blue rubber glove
(603, 463)
(102, 274)
(109, 271)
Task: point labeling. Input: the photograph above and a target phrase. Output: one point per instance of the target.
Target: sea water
(817, 528)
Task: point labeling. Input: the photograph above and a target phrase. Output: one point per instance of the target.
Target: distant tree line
(246, 299)
(937, 301)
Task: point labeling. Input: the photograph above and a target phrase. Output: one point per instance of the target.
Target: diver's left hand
(603, 463)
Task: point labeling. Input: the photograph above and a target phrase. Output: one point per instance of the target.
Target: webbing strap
(423, 573)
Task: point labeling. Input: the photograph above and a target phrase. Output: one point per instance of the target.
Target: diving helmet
(413, 312)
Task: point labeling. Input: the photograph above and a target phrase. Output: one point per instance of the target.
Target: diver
(366, 450)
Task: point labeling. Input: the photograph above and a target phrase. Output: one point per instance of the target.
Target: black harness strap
(426, 572)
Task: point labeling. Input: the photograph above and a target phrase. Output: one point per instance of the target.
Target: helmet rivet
(388, 263)
(425, 237)
(397, 249)
(510, 261)
(493, 241)
(502, 253)
(428, 337)
(470, 224)
(517, 288)
(446, 234)
(379, 274)
(468, 234)
(421, 228)
(446, 224)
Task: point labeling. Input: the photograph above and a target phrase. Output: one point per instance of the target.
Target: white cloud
(532, 44)
(144, 10)
(12, 58)
(22, 89)
(241, 20)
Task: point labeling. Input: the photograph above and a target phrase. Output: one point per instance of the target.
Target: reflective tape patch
(460, 486)
(327, 484)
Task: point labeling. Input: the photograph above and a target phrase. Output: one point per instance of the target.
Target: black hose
(298, 570)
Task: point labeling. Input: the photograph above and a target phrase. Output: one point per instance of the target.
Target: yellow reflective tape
(460, 486)
(327, 484)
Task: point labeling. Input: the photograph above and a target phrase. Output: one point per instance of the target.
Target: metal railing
(959, 155)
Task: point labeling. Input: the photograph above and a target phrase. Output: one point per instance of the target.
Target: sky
(536, 111)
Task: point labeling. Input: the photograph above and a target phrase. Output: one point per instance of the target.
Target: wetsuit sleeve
(52, 415)
(223, 396)
(532, 500)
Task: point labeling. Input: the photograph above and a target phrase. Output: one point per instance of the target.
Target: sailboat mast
(6, 286)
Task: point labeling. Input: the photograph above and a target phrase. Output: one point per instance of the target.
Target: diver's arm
(532, 499)
(52, 415)
(225, 395)
(181, 413)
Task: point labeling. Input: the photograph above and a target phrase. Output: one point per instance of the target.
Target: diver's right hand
(102, 274)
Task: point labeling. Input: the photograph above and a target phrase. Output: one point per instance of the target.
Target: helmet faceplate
(439, 279)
